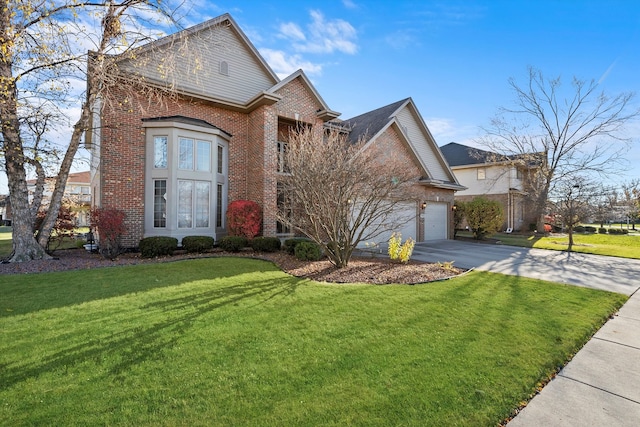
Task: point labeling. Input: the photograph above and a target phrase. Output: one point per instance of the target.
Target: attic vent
(224, 68)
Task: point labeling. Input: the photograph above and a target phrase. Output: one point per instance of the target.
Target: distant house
(77, 191)
(485, 175)
(174, 166)
(5, 210)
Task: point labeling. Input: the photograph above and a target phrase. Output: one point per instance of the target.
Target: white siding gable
(422, 144)
(498, 179)
(214, 62)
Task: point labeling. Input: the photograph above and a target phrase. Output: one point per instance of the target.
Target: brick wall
(122, 152)
(252, 149)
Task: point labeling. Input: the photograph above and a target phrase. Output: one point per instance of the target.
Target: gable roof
(188, 61)
(463, 155)
(459, 155)
(405, 118)
(324, 113)
(225, 20)
(369, 124)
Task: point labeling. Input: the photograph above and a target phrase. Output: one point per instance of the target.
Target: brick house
(77, 191)
(174, 166)
(483, 175)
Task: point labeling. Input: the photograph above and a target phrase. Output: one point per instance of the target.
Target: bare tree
(39, 58)
(340, 194)
(603, 204)
(573, 203)
(556, 134)
(631, 200)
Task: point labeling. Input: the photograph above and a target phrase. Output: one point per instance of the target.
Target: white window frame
(204, 140)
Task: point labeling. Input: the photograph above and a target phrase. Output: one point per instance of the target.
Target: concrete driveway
(609, 273)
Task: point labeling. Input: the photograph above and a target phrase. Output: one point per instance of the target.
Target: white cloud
(349, 4)
(324, 36)
(445, 130)
(284, 64)
(291, 30)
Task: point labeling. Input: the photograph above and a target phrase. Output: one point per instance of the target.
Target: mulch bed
(375, 270)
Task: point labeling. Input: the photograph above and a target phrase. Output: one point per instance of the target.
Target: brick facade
(252, 150)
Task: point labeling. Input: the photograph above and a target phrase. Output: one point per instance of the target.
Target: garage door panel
(436, 221)
(406, 223)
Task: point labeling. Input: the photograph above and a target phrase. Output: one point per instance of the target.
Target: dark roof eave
(327, 115)
(441, 184)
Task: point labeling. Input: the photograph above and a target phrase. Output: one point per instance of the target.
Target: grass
(227, 341)
(6, 248)
(626, 246)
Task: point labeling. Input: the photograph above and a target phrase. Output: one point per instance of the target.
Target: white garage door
(435, 221)
(405, 216)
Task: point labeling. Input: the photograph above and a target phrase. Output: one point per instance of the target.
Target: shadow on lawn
(62, 289)
(116, 352)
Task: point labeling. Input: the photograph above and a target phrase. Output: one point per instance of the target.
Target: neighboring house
(174, 166)
(483, 175)
(77, 191)
(5, 210)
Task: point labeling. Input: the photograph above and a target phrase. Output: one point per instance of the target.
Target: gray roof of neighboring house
(369, 124)
(461, 155)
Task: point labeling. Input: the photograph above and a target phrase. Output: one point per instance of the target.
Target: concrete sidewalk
(601, 385)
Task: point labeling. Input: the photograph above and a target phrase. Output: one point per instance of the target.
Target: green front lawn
(6, 248)
(229, 341)
(5, 241)
(626, 246)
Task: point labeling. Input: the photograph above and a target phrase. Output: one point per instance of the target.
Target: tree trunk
(44, 233)
(570, 247)
(25, 246)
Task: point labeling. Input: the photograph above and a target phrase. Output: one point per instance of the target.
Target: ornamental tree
(339, 193)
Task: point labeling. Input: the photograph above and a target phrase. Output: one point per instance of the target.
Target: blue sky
(453, 58)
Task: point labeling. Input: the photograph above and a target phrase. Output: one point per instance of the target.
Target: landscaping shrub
(579, 229)
(399, 252)
(290, 244)
(232, 243)
(618, 231)
(307, 251)
(590, 229)
(109, 223)
(157, 246)
(244, 218)
(484, 216)
(197, 243)
(602, 230)
(265, 244)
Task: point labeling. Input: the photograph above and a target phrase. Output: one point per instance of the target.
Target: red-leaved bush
(244, 218)
(63, 228)
(109, 223)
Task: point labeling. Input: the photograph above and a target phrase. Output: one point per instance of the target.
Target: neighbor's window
(481, 173)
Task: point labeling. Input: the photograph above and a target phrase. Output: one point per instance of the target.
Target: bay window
(187, 160)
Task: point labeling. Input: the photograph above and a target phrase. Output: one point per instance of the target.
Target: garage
(436, 221)
(405, 215)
